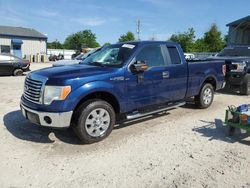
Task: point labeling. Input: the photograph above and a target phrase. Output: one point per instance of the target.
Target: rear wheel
(18, 72)
(205, 97)
(245, 87)
(94, 121)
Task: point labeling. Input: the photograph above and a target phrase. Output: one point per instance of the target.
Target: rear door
(6, 64)
(176, 74)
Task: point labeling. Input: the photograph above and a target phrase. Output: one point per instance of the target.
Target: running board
(138, 115)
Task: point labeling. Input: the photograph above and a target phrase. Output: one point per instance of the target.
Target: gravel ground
(185, 147)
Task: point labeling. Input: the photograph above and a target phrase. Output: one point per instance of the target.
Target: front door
(147, 88)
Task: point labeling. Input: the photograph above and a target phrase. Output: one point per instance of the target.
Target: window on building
(5, 49)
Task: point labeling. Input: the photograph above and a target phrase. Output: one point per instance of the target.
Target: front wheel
(245, 87)
(18, 72)
(94, 121)
(205, 97)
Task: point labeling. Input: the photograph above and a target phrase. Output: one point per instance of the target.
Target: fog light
(47, 119)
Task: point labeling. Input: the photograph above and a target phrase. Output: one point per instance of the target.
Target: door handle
(165, 74)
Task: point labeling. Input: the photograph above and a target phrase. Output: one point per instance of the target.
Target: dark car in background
(237, 59)
(76, 60)
(12, 65)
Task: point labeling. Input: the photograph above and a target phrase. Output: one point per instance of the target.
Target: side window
(152, 55)
(174, 55)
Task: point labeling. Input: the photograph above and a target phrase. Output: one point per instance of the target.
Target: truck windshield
(236, 51)
(113, 55)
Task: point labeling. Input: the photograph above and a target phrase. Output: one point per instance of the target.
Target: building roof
(240, 21)
(21, 32)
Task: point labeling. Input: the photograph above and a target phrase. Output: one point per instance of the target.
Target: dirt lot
(185, 147)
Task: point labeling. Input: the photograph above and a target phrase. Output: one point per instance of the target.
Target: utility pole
(138, 28)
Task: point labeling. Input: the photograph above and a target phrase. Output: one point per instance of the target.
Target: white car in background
(189, 56)
(76, 60)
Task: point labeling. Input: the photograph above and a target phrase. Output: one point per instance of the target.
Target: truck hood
(229, 58)
(65, 62)
(72, 71)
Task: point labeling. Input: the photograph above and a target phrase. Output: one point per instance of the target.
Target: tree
(185, 39)
(200, 46)
(213, 39)
(106, 44)
(55, 45)
(129, 36)
(81, 39)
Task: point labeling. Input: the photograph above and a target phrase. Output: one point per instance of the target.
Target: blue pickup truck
(128, 80)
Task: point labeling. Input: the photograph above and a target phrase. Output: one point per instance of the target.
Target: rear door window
(174, 55)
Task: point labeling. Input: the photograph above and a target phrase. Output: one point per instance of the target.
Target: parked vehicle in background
(12, 65)
(124, 80)
(76, 60)
(189, 56)
(237, 59)
(56, 57)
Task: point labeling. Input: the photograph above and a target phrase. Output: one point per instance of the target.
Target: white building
(22, 42)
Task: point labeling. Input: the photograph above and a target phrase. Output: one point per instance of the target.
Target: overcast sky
(108, 19)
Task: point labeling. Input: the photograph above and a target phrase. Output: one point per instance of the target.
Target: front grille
(32, 90)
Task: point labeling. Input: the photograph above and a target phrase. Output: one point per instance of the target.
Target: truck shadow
(125, 123)
(21, 128)
(218, 131)
(229, 91)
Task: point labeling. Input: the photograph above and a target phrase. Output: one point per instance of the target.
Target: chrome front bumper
(48, 119)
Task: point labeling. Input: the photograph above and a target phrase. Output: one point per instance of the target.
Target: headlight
(52, 93)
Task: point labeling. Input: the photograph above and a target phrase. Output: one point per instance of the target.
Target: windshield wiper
(96, 64)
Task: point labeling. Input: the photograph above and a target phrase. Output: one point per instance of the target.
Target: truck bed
(200, 70)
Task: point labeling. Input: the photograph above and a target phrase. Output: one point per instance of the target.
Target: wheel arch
(211, 80)
(103, 95)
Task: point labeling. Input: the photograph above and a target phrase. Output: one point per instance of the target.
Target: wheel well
(111, 99)
(211, 81)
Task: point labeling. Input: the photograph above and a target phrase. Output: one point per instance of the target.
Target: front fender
(97, 86)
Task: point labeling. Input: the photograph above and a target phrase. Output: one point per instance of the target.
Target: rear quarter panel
(200, 71)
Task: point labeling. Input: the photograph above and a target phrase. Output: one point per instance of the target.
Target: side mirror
(139, 67)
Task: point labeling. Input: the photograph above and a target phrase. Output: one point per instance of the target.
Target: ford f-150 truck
(128, 80)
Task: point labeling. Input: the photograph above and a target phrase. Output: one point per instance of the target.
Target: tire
(205, 97)
(245, 87)
(18, 72)
(93, 121)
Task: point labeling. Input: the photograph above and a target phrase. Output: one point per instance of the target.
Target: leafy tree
(200, 46)
(106, 44)
(213, 39)
(81, 39)
(55, 45)
(226, 38)
(185, 39)
(129, 36)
